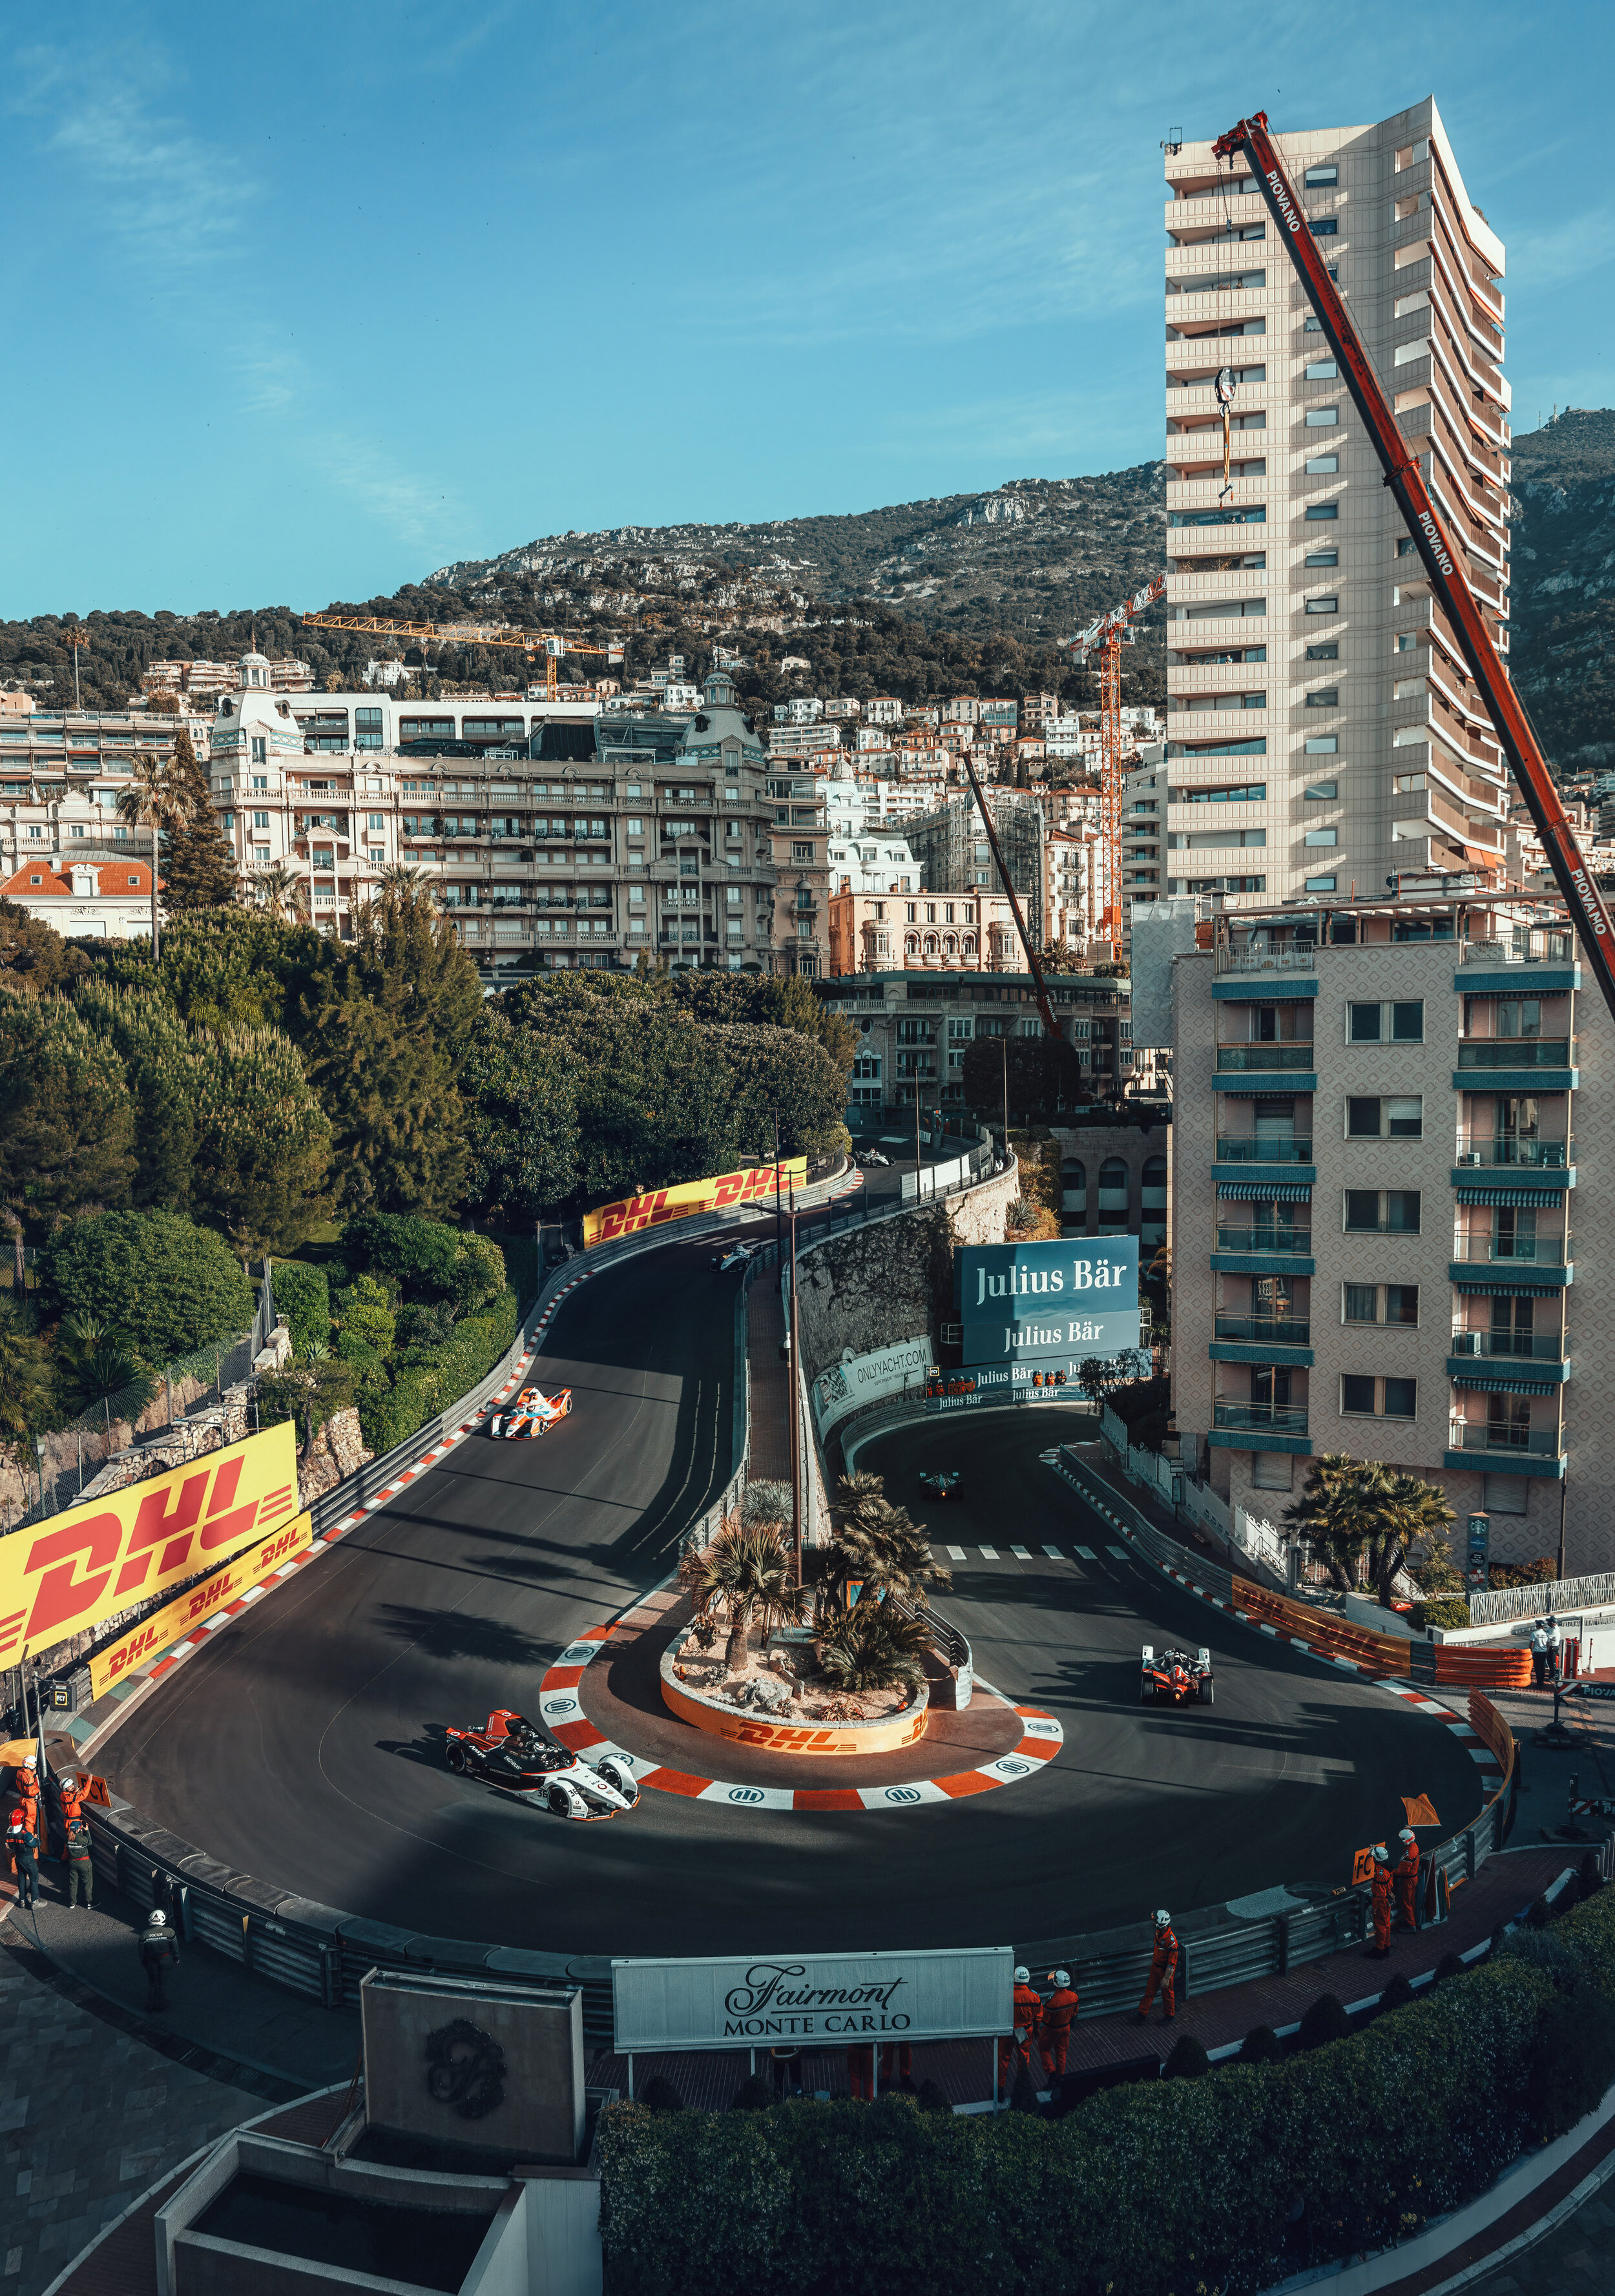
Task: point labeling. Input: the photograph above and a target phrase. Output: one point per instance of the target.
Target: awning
(1485, 1289)
(1548, 1199)
(1266, 1191)
(1489, 1383)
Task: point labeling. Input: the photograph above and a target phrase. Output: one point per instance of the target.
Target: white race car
(737, 1255)
(532, 1414)
(509, 1753)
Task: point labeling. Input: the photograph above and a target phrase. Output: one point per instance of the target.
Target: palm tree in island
(746, 1573)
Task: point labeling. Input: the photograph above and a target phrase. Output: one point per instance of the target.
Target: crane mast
(1106, 636)
(1441, 556)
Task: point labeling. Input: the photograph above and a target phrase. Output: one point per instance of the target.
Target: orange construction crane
(552, 645)
(1105, 637)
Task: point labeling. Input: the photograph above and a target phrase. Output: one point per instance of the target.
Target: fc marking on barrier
(1041, 1740)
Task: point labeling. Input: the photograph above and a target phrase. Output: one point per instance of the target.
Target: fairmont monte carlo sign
(810, 1998)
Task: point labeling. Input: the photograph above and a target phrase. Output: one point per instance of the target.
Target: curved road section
(304, 1745)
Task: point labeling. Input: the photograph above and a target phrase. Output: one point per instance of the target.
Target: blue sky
(308, 300)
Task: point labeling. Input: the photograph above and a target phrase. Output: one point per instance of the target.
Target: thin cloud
(413, 510)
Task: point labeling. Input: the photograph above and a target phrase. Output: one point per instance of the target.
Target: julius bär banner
(76, 1570)
(755, 1184)
(1049, 1303)
(818, 1998)
(199, 1603)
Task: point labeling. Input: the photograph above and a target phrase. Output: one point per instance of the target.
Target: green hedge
(1168, 2190)
(421, 1389)
(302, 1294)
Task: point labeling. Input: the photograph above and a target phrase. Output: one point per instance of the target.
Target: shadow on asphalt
(457, 1634)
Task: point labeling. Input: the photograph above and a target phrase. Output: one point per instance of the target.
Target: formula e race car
(533, 1412)
(512, 1753)
(737, 1256)
(1177, 1674)
(941, 1482)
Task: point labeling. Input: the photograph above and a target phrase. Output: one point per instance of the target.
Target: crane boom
(554, 645)
(1105, 636)
(1582, 899)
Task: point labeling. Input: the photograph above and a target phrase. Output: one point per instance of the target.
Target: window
(1319, 466)
(1322, 837)
(1322, 558)
(260, 749)
(1321, 418)
(801, 852)
(1330, 650)
(1386, 1024)
(1509, 1016)
(1323, 173)
(1320, 745)
(378, 821)
(1320, 790)
(1380, 1303)
(1381, 1118)
(260, 821)
(367, 729)
(1323, 510)
(1248, 793)
(1405, 548)
(1382, 1211)
(1407, 641)
(1321, 884)
(1377, 1398)
(1322, 371)
(866, 1068)
(1326, 227)
(1322, 605)
(1323, 697)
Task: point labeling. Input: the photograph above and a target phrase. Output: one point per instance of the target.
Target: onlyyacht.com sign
(1032, 1303)
(812, 1999)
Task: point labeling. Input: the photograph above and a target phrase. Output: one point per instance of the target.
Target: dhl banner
(755, 1184)
(76, 1570)
(198, 1603)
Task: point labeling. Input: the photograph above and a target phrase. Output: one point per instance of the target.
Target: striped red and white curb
(561, 1711)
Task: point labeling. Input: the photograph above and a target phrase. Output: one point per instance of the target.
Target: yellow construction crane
(554, 645)
(1105, 636)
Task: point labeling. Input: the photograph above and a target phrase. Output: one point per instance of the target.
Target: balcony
(1492, 1435)
(1535, 1251)
(1505, 1150)
(1249, 1059)
(1513, 1053)
(1247, 1148)
(1513, 1347)
(1267, 1236)
(1526, 945)
(1271, 1330)
(1261, 1418)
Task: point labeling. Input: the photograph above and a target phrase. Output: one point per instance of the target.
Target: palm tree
(148, 803)
(873, 1646)
(94, 1363)
(879, 1543)
(405, 877)
(283, 891)
(1340, 1509)
(1410, 1511)
(747, 1572)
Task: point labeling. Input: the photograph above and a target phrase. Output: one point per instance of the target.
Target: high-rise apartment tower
(1323, 733)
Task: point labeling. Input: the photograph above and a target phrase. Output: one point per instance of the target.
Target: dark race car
(510, 1754)
(941, 1482)
(1177, 1674)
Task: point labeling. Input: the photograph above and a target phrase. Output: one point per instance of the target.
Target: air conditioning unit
(1466, 1343)
(1470, 1156)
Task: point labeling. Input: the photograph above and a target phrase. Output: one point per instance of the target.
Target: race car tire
(1146, 1695)
(1208, 1694)
(559, 1799)
(455, 1757)
(614, 1776)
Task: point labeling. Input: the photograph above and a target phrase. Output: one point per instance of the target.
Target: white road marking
(956, 1554)
(1086, 1553)
(989, 1553)
(1058, 1552)
(1022, 1553)
(1121, 1553)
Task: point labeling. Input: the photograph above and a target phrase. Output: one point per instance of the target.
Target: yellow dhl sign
(199, 1603)
(78, 1569)
(755, 1184)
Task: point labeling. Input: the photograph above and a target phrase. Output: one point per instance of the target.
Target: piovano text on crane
(1275, 184)
(1432, 534)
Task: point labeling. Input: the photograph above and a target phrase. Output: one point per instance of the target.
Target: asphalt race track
(303, 1744)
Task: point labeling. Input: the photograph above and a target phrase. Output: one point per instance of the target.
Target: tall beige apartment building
(1323, 731)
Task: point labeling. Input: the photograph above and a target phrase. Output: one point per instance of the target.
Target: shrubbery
(302, 1295)
(1143, 2190)
(165, 1283)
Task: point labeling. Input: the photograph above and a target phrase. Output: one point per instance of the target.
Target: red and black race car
(1177, 1674)
(510, 1751)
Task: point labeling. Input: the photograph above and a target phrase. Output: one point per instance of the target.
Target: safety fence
(1506, 1603)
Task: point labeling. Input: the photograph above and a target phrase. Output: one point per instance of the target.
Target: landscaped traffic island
(785, 1702)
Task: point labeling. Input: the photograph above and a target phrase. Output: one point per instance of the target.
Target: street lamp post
(794, 1395)
(1004, 1048)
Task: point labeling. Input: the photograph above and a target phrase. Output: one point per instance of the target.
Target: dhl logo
(655, 1207)
(213, 1594)
(112, 1554)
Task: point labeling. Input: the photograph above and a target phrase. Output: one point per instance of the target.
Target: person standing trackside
(1021, 2043)
(158, 1953)
(1407, 1872)
(23, 1844)
(80, 1869)
(1539, 1644)
(1555, 1650)
(1163, 1970)
(1058, 2011)
(1381, 1904)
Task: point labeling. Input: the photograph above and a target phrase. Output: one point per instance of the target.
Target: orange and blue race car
(1177, 1674)
(533, 1412)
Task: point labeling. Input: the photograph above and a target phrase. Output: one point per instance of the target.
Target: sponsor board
(813, 1997)
(76, 1570)
(1049, 1303)
(198, 1603)
(753, 1183)
(868, 1379)
(1043, 1380)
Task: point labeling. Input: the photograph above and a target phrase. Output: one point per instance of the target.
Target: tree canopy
(155, 1276)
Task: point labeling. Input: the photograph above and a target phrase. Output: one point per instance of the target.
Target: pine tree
(263, 1142)
(151, 1038)
(199, 867)
(66, 1117)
